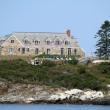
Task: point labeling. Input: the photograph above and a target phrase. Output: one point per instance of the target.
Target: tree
(103, 41)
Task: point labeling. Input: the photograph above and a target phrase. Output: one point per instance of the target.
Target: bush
(89, 62)
(73, 61)
(51, 74)
(81, 69)
(48, 63)
(80, 81)
(104, 68)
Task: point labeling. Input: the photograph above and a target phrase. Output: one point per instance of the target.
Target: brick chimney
(68, 32)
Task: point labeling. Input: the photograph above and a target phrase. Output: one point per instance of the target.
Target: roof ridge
(42, 32)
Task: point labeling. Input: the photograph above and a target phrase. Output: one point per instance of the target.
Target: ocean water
(52, 107)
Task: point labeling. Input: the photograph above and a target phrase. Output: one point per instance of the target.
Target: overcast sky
(83, 17)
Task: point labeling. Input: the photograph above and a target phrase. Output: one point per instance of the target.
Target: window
(57, 42)
(67, 42)
(69, 51)
(62, 51)
(36, 42)
(27, 49)
(26, 41)
(48, 51)
(75, 51)
(48, 42)
(12, 41)
(36, 51)
(23, 50)
(19, 49)
(10, 50)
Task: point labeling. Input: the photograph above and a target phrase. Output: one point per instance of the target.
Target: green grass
(65, 75)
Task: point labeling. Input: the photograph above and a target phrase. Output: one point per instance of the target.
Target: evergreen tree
(103, 41)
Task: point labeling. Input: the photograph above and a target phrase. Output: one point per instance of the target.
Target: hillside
(66, 75)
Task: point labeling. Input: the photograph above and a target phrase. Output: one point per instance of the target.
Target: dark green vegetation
(56, 75)
(103, 41)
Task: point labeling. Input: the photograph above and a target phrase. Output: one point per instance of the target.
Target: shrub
(104, 68)
(48, 63)
(88, 62)
(51, 74)
(73, 61)
(81, 69)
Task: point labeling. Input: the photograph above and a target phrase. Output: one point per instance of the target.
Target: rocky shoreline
(32, 93)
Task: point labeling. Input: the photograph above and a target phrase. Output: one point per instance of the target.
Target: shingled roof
(42, 36)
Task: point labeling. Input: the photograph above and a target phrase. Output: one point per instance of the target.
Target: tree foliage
(103, 41)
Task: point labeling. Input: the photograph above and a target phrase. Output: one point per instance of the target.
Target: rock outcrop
(77, 95)
(32, 93)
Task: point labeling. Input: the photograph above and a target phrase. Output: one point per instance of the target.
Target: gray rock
(32, 93)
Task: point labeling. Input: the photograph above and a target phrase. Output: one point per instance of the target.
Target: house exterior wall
(16, 48)
(7, 45)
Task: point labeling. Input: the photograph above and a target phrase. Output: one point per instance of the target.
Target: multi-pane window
(48, 51)
(10, 50)
(26, 42)
(23, 50)
(75, 51)
(19, 49)
(57, 42)
(67, 42)
(48, 42)
(36, 51)
(12, 41)
(36, 42)
(69, 51)
(27, 49)
(62, 51)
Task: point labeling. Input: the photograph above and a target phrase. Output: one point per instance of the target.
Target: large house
(35, 43)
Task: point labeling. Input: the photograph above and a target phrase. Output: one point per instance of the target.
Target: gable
(12, 41)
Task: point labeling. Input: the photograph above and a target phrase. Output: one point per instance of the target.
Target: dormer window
(48, 42)
(57, 42)
(36, 42)
(26, 40)
(67, 42)
(12, 41)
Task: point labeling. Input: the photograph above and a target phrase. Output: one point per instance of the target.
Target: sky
(82, 17)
